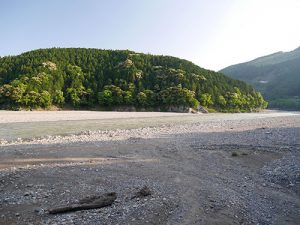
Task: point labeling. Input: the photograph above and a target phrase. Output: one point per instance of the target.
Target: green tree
(128, 97)
(177, 96)
(206, 100)
(142, 99)
(59, 97)
(74, 96)
(221, 101)
(32, 98)
(45, 99)
(105, 98)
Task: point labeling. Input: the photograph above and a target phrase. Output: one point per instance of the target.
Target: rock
(38, 210)
(202, 109)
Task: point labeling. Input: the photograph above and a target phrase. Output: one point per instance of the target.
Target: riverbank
(203, 169)
(20, 127)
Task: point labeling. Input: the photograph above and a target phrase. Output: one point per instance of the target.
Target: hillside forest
(81, 78)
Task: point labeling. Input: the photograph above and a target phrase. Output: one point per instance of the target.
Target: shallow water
(28, 130)
(24, 130)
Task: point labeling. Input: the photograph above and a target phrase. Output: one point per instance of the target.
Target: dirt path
(194, 177)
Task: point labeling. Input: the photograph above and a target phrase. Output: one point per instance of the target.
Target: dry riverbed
(201, 169)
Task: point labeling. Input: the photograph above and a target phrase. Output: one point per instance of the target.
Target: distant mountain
(106, 79)
(276, 76)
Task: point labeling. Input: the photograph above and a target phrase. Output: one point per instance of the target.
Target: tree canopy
(89, 78)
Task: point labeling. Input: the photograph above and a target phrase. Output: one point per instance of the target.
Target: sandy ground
(187, 163)
(34, 116)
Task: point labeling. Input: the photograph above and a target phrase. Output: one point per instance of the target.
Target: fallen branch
(94, 202)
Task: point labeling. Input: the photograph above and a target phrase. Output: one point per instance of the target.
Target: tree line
(89, 78)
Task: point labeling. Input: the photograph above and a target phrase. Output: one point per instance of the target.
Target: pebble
(119, 212)
(148, 132)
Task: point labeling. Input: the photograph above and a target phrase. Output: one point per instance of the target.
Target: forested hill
(93, 78)
(277, 76)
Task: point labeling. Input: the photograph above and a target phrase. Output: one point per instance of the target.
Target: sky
(211, 33)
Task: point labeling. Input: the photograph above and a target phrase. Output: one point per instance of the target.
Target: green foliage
(221, 101)
(45, 100)
(178, 96)
(105, 98)
(141, 99)
(115, 94)
(73, 95)
(90, 77)
(276, 76)
(286, 103)
(128, 98)
(58, 97)
(206, 100)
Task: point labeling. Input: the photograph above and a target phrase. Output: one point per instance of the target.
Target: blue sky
(211, 33)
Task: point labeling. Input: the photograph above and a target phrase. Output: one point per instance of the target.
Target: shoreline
(190, 169)
(74, 115)
(150, 128)
(51, 116)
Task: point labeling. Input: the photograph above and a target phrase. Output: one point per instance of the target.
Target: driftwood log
(93, 202)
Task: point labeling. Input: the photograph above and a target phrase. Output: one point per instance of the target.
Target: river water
(35, 125)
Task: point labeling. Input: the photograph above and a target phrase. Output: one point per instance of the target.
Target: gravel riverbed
(201, 169)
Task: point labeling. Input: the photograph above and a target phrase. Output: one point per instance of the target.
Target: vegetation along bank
(106, 79)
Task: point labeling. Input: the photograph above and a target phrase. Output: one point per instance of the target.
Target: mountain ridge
(276, 75)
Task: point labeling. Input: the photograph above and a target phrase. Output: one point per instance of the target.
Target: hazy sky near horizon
(211, 33)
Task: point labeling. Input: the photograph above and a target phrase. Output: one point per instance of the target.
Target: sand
(34, 116)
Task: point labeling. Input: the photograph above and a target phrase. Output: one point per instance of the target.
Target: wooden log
(92, 203)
